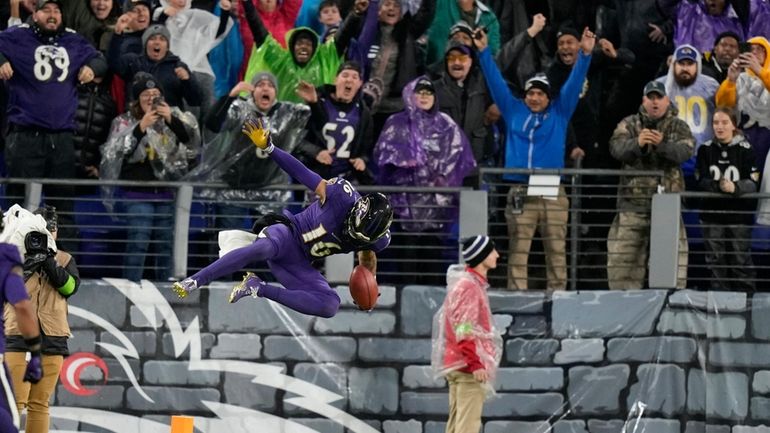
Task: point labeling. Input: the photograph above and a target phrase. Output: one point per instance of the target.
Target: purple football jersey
(320, 226)
(9, 257)
(43, 89)
(340, 133)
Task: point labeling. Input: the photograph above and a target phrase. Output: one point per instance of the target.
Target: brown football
(363, 288)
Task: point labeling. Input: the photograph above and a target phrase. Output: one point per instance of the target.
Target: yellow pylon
(181, 424)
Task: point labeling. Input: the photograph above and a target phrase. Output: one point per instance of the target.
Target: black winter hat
(143, 81)
(566, 30)
(476, 249)
(539, 81)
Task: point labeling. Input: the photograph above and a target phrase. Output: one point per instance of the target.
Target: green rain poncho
(320, 69)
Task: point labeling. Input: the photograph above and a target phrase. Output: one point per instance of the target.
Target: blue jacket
(535, 140)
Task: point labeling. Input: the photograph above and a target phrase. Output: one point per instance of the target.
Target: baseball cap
(686, 52)
(132, 4)
(655, 87)
(424, 84)
(41, 3)
(351, 65)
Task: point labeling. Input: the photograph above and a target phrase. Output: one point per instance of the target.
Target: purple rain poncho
(759, 19)
(423, 148)
(696, 27)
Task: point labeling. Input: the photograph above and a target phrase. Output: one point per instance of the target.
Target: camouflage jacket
(635, 192)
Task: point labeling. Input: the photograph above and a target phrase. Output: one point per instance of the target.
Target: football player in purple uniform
(340, 221)
(12, 290)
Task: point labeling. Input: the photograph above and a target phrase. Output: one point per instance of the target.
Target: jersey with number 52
(320, 226)
(42, 91)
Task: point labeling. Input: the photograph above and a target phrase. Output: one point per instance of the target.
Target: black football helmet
(368, 220)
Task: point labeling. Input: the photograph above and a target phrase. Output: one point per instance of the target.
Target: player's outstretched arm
(260, 136)
(368, 259)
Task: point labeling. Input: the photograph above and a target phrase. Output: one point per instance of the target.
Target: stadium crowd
(404, 93)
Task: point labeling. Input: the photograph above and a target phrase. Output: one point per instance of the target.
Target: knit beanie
(539, 81)
(476, 249)
(262, 76)
(155, 29)
(143, 81)
(568, 31)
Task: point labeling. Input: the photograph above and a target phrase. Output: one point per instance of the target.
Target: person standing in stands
(232, 158)
(725, 165)
(172, 74)
(718, 60)
(151, 141)
(536, 136)
(44, 61)
(339, 141)
(306, 58)
(653, 139)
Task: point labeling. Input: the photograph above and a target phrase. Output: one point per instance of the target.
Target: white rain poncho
(193, 34)
(465, 315)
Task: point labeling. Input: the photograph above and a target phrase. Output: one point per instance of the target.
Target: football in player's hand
(363, 288)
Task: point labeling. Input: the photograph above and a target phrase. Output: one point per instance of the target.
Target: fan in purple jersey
(42, 63)
(339, 141)
(340, 221)
(12, 290)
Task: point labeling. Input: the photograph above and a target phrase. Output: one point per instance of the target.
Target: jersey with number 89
(320, 226)
(43, 89)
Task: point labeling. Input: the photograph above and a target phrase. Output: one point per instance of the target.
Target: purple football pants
(9, 416)
(305, 289)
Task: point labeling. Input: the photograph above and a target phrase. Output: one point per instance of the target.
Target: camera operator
(51, 277)
(653, 139)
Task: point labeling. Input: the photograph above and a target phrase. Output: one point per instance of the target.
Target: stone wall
(574, 362)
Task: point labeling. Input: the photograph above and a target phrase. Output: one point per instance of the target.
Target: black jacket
(174, 89)
(410, 62)
(93, 117)
(589, 112)
(466, 105)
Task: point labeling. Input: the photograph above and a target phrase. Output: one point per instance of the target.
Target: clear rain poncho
(466, 311)
(171, 160)
(232, 158)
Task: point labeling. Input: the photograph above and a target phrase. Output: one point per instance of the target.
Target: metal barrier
(593, 196)
(101, 242)
(196, 212)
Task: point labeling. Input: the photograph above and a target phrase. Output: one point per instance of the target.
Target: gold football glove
(255, 129)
